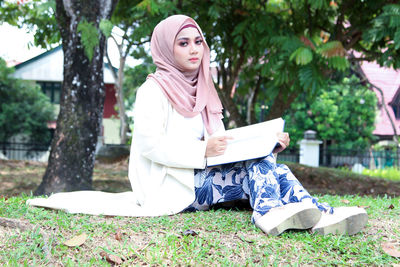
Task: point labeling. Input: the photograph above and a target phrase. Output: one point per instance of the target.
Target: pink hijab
(190, 93)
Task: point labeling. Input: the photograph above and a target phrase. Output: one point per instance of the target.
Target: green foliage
(24, 109)
(302, 55)
(89, 37)
(106, 27)
(384, 35)
(344, 113)
(37, 16)
(134, 77)
(291, 46)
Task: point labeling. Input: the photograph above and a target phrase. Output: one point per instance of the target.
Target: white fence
(24, 151)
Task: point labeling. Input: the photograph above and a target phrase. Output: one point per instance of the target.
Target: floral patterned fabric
(264, 182)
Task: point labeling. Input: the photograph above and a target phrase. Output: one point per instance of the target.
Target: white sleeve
(151, 115)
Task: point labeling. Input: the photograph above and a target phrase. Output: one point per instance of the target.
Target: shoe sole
(304, 219)
(351, 225)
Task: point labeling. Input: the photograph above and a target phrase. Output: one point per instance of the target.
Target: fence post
(309, 149)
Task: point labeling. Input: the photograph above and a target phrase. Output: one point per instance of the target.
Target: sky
(14, 44)
(17, 46)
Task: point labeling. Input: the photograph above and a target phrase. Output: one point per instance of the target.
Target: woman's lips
(193, 59)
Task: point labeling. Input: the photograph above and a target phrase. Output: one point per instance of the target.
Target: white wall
(49, 67)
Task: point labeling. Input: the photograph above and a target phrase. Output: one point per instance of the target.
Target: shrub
(24, 109)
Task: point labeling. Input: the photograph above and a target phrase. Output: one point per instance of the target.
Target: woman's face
(188, 49)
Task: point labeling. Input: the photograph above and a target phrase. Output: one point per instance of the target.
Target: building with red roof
(388, 80)
(46, 70)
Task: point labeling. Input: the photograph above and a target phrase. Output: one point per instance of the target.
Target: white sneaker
(290, 216)
(343, 220)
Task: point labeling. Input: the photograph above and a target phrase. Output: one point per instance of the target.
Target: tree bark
(229, 78)
(119, 93)
(72, 154)
(281, 103)
(252, 100)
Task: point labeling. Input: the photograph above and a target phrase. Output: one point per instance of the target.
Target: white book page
(250, 142)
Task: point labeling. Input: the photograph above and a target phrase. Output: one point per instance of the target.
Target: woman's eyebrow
(187, 38)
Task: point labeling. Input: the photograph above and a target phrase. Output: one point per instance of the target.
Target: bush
(24, 109)
(343, 113)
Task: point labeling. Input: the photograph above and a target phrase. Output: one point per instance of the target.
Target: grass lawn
(223, 237)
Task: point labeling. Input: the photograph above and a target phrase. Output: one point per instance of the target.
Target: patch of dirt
(18, 177)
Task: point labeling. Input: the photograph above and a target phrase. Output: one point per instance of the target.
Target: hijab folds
(190, 93)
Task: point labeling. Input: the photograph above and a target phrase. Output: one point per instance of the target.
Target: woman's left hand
(283, 140)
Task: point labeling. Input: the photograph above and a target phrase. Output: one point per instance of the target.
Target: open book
(250, 142)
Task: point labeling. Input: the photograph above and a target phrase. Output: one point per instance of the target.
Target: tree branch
(353, 40)
(251, 101)
(309, 17)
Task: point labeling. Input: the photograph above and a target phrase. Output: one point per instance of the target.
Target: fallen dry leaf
(392, 249)
(244, 239)
(76, 240)
(111, 258)
(189, 232)
(364, 207)
(391, 206)
(118, 234)
(345, 201)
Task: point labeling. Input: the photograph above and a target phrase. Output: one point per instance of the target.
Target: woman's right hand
(217, 145)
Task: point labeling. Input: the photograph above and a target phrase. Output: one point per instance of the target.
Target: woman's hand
(217, 145)
(283, 140)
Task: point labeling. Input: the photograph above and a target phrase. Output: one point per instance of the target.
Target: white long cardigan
(162, 158)
(164, 154)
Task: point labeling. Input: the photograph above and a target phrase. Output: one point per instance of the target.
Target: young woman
(178, 125)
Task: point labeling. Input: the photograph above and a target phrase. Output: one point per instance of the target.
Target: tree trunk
(225, 94)
(235, 119)
(252, 100)
(281, 103)
(72, 153)
(120, 100)
(119, 92)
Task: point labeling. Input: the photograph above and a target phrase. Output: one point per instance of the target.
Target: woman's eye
(183, 43)
(200, 41)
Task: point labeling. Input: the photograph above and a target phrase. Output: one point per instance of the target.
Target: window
(396, 110)
(52, 90)
(396, 104)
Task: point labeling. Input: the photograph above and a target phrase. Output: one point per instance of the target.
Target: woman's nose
(193, 49)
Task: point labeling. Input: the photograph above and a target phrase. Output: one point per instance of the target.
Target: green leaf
(302, 55)
(238, 40)
(317, 4)
(394, 21)
(89, 37)
(339, 63)
(396, 39)
(106, 27)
